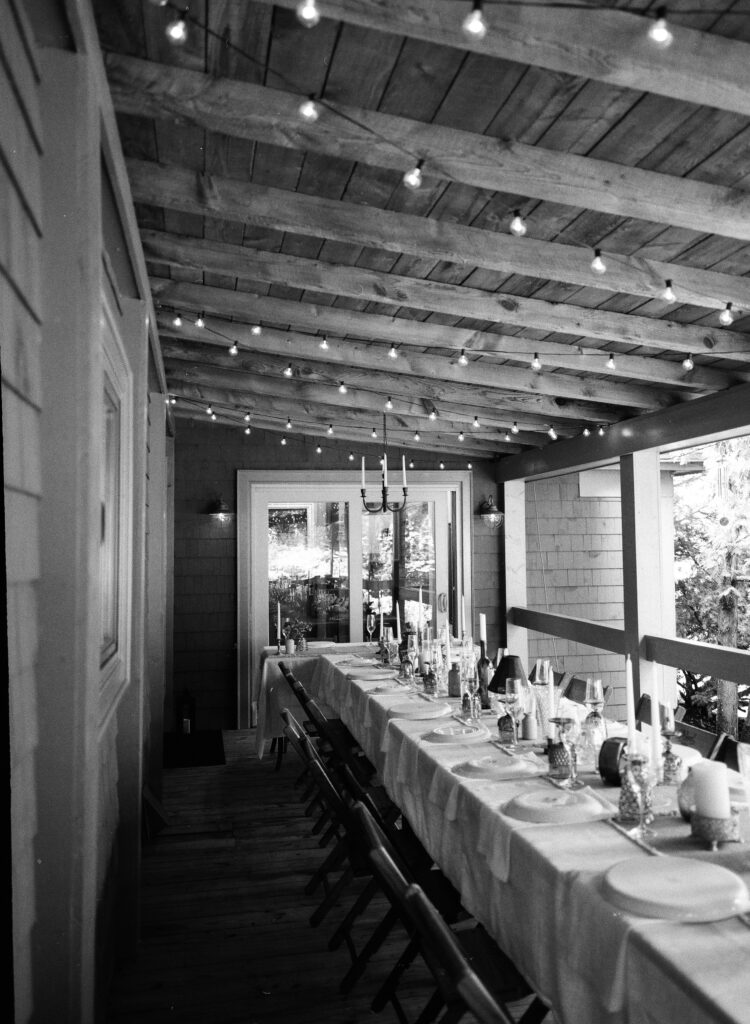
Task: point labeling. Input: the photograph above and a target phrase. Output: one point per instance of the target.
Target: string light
(413, 178)
(536, 362)
(214, 417)
(288, 423)
(611, 365)
(474, 26)
(247, 417)
(475, 424)
(469, 465)
(507, 436)
(411, 463)
(283, 440)
(600, 431)
(462, 360)
(668, 294)
(389, 403)
(342, 388)
(432, 415)
(518, 225)
(393, 352)
(318, 450)
(177, 322)
(586, 432)
(173, 400)
(351, 456)
(158, 3)
(309, 110)
(233, 349)
(248, 430)
(209, 410)
(256, 329)
(200, 322)
(442, 465)
(552, 432)
(330, 429)
(177, 31)
(417, 436)
(308, 13)
(288, 371)
(323, 343)
(687, 363)
(514, 428)
(726, 316)
(597, 264)
(659, 33)
(460, 435)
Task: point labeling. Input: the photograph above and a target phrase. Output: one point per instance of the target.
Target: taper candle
(363, 472)
(403, 471)
(463, 616)
(380, 602)
(398, 623)
(483, 627)
(630, 704)
(278, 620)
(656, 741)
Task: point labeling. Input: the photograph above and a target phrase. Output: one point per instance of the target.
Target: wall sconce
(490, 514)
(219, 510)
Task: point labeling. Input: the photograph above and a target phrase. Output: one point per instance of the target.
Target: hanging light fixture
(288, 371)
(177, 320)
(248, 430)
(308, 13)
(552, 432)
(323, 343)
(726, 316)
(219, 510)
(490, 514)
(256, 329)
(659, 33)
(393, 352)
(389, 403)
(514, 428)
(687, 362)
(517, 225)
(536, 362)
(342, 388)
(200, 322)
(611, 365)
(474, 26)
(462, 360)
(597, 264)
(475, 424)
(586, 432)
(668, 294)
(413, 178)
(177, 31)
(234, 349)
(384, 505)
(309, 110)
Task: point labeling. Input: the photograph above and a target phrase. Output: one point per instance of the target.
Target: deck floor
(224, 919)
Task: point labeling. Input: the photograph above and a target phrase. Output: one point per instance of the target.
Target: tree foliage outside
(712, 562)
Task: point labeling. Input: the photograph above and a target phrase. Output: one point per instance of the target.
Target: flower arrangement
(295, 629)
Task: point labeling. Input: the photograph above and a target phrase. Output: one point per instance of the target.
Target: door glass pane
(308, 568)
(398, 557)
(110, 519)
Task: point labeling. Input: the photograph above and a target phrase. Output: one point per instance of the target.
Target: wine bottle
(483, 675)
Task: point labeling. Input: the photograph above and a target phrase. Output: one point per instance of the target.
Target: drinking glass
(594, 729)
(370, 624)
(640, 775)
(513, 700)
(566, 730)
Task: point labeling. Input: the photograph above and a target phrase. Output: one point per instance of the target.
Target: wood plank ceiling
(298, 241)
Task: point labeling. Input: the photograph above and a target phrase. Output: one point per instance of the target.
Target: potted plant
(295, 633)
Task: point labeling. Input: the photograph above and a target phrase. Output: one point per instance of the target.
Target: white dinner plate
(369, 675)
(457, 732)
(499, 768)
(387, 689)
(558, 806)
(676, 889)
(420, 710)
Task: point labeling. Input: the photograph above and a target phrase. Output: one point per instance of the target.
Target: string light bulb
(177, 321)
(309, 110)
(462, 360)
(507, 436)
(388, 403)
(288, 371)
(247, 417)
(256, 329)
(475, 424)
(248, 430)
(442, 465)
(417, 436)
(411, 463)
(342, 388)
(586, 432)
(288, 423)
(318, 450)
(308, 13)
(283, 440)
(432, 415)
(600, 431)
(687, 362)
(659, 32)
(158, 3)
(726, 316)
(200, 322)
(209, 410)
(474, 26)
(536, 362)
(393, 352)
(234, 349)
(214, 417)
(668, 294)
(172, 400)
(413, 178)
(351, 456)
(469, 465)
(460, 435)
(611, 364)
(518, 225)
(330, 429)
(552, 432)
(514, 428)
(597, 264)
(323, 343)
(177, 31)
(373, 433)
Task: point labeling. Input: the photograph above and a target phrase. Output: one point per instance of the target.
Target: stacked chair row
(375, 860)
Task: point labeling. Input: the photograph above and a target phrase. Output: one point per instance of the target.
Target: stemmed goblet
(640, 776)
(370, 624)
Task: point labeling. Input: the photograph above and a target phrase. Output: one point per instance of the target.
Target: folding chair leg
(371, 947)
(389, 986)
(331, 863)
(360, 904)
(333, 894)
(280, 751)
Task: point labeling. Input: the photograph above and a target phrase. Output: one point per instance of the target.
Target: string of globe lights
(474, 26)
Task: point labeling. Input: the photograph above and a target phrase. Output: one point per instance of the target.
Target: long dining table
(540, 888)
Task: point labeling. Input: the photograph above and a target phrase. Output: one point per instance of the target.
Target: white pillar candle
(483, 627)
(363, 472)
(278, 620)
(398, 623)
(711, 789)
(630, 705)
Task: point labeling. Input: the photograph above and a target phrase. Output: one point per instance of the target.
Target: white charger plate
(558, 806)
(499, 768)
(458, 733)
(420, 710)
(676, 889)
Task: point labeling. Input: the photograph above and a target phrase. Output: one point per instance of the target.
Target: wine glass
(594, 729)
(566, 729)
(370, 624)
(639, 771)
(512, 699)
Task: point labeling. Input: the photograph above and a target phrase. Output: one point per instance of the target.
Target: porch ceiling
(251, 216)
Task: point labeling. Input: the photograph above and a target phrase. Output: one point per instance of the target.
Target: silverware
(634, 839)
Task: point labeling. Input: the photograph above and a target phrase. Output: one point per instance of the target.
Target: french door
(308, 553)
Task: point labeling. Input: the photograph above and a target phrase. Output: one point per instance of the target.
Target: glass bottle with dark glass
(484, 670)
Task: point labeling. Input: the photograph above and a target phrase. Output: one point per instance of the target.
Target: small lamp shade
(510, 667)
(219, 509)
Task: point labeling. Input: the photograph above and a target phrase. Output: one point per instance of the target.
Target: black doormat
(196, 750)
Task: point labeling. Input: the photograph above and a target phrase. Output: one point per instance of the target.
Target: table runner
(537, 888)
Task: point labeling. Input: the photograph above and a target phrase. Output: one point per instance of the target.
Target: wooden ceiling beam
(183, 97)
(179, 188)
(369, 389)
(333, 320)
(343, 358)
(607, 45)
(438, 297)
(221, 333)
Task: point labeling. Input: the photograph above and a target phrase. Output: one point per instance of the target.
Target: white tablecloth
(537, 888)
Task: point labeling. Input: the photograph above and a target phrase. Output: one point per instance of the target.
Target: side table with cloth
(537, 888)
(274, 693)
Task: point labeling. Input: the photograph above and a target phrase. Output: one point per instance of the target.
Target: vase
(302, 645)
(289, 645)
